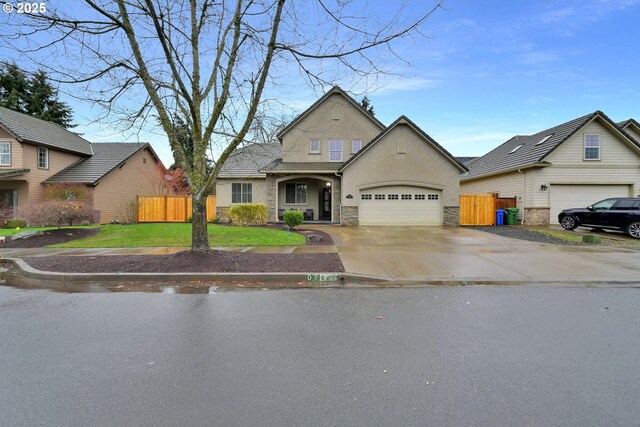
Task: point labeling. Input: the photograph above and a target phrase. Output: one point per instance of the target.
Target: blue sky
(490, 70)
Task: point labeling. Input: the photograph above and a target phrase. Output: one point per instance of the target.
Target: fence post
(165, 209)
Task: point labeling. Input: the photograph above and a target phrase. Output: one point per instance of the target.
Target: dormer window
(314, 146)
(592, 147)
(516, 149)
(543, 140)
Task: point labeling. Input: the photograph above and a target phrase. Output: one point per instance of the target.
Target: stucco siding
(58, 160)
(335, 118)
(115, 194)
(613, 150)
(421, 165)
(223, 190)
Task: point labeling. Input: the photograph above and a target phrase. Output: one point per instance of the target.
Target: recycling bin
(500, 216)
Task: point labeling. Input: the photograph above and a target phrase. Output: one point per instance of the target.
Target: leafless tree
(205, 61)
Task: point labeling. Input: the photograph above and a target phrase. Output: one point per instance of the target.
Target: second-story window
(314, 146)
(43, 158)
(335, 150)
(5, 154)
(592, 147)
(356, 145)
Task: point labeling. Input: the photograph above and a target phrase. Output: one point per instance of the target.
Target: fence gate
(477, 209)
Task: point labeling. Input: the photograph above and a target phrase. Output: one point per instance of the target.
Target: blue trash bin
(500, 216)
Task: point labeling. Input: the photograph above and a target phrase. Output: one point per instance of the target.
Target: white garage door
(400, 205)
(580, 196)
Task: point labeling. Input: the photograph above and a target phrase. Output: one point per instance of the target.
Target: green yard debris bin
(512, 216)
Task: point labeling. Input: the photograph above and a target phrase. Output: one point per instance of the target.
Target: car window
(624, 205)
(603, 205)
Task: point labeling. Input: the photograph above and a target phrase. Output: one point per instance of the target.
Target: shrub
(248, 214)
(293, 218)
(59, 213)
(15, 222)
(65, 192)
(188, 219)
(215, 220)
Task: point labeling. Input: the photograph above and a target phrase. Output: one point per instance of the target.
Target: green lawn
(179, 234)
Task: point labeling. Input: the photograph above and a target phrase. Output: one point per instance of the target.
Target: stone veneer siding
(536, 216)
(336, 194)
(223, 213)
(451, 216)
(350, 216)
(272, 203)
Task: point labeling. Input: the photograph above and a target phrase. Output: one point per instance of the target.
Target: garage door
(580, 196)
(400, 205)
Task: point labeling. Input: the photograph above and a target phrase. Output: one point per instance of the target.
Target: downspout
(524, 192)
(337, 173)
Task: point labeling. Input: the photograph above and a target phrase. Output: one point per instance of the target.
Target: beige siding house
(570, 165)
(337, 163)
(35, 153)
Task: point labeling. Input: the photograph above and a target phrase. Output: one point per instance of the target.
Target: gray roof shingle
(321, 167)
(30, 129)
(531, 152)
(107, 156)
(248, 161)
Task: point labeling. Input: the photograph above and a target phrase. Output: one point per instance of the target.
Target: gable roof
(466, 160)
(524, 151)
(249, 160)
(630, 123)
(107, 156)
(26, 128)
(334, 90)
(403, 120)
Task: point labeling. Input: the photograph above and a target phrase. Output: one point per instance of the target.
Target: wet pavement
(445, 356)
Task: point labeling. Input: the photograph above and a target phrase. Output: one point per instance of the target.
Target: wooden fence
(170, 208)
(477, 209)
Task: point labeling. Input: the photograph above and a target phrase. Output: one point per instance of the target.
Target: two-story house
(35, 153)
(337, 163)
(574, 164)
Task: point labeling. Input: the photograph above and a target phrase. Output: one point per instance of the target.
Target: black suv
(621, 213)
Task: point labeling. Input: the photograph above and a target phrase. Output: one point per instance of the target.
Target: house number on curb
(322, 277)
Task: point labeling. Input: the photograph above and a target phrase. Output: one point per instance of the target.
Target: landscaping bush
(215, 220)
(248, 214)
(293, 218)
(59, 213)
(15, 223)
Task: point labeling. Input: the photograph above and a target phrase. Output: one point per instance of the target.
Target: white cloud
(400, 84)
(556, 15)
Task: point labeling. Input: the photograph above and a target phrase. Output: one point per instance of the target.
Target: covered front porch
(316, 196)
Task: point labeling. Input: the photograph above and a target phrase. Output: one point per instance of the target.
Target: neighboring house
(570, 165)
(632, 127)
(35, 152)
(338, 163)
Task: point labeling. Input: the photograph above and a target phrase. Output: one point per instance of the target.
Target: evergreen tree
(34, 96)
(366, 104)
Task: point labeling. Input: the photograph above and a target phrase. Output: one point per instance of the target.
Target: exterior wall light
(544, 187)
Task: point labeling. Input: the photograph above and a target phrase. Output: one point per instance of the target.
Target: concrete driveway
(458, 254)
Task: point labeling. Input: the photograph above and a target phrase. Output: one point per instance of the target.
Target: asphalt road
(475, 355)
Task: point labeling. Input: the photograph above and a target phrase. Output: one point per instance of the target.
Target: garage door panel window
(433, 197)
(241, 192)
(379, 196)
(419, 197)
(392, 197)
(366, 197)
(296, 193)
(406, 197)
(592, 147)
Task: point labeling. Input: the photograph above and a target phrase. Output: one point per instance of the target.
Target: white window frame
(311, 143)
(2, 153)
(335, 146)
(245, 193)
(598, 145)
(356, 145)
(300, 198)
(44, 150)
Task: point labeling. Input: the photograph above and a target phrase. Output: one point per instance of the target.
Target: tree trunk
(199, 234)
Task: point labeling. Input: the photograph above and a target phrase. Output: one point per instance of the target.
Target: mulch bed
(188, 262)
(50, 237)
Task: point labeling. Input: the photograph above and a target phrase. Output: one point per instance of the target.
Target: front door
(325, 204)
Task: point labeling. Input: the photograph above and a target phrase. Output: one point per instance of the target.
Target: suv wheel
(568, 222)
(634, 229)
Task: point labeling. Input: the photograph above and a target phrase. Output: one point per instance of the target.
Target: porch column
(336, 199)
(272, 198)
